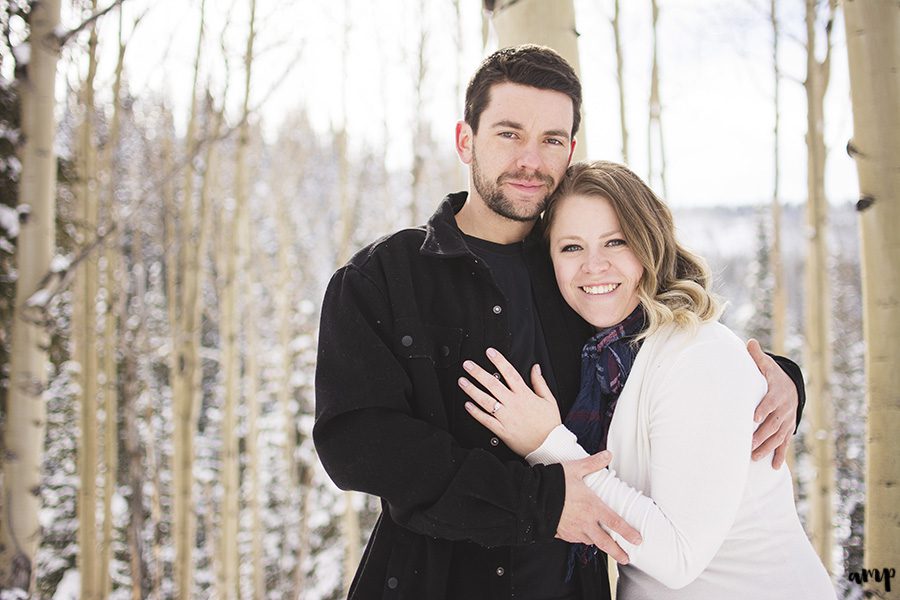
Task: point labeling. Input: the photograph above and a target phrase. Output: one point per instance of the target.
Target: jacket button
(495, 441)
(497, 309)
(500, 571)
(445, 351)
(392, 583)
(406, 340)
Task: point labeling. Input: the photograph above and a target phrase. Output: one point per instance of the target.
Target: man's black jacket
(397, 323)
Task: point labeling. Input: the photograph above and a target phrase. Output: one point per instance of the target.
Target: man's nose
(529, 157)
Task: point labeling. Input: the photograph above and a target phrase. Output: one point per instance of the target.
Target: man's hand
(777, 412)
(584, 511)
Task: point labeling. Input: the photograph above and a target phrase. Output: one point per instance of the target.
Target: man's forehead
(527, 106)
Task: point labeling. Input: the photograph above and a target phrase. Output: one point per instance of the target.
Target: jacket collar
(443, 237)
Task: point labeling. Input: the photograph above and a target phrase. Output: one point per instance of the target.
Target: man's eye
(507, 134)
(570, 248)
(555, 141)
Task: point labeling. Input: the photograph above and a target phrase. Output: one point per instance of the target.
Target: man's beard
(497, 201)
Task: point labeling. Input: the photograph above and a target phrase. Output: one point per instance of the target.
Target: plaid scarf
(606, 361)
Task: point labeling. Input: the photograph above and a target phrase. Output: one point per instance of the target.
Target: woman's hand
(522, 418)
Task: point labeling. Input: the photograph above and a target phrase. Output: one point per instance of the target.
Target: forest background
(179, 178)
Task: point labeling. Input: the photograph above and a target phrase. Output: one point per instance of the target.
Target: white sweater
(714, 523)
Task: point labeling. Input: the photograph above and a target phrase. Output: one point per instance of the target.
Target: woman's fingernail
(491, 352)
(470, 406)
(468, 365)
(537, 368)
(463, 382)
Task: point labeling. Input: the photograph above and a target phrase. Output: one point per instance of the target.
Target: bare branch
(63, 38)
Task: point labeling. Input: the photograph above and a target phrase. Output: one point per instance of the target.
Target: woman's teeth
(600, 289)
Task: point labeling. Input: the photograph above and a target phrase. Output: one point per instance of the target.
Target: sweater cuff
(561, 445)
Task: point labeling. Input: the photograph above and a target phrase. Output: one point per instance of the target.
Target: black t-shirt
(538, 570)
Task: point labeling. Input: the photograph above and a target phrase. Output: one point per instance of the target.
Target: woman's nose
(597, 262)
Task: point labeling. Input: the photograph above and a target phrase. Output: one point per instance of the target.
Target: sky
(715, 69)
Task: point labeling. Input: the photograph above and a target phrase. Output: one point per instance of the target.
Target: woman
(670, 392)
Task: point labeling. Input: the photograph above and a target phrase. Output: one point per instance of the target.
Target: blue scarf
(606, 361)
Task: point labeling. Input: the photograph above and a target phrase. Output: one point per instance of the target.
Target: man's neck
(479, 221)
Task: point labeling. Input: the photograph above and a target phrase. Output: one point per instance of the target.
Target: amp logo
(877, 575)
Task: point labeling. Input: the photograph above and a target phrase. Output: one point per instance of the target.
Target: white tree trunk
(818, 307)
(620, 79)
(84, 337)
(873, 46)
(420, 129)
(236, 251)
(779, 295)
(655, 122)
(115, 306)
(185, 367)
(20, 531)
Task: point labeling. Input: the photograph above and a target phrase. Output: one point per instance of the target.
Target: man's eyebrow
(558, 133)
(508, 123)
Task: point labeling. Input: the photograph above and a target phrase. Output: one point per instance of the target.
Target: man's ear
(571, 151)
(464, 137)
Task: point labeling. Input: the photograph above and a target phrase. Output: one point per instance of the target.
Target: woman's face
(596, 271)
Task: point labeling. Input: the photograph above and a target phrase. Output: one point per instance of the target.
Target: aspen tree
(818, 312)
(236, 250)
(114, 307)
(620, 78)
(252, 393)
(154, 453)
(130, 433)
(84, 335)
(462, 176)
(655, 121)
(25, 412)
(539, 22)
(285, 336)
(231, 367)
(185, 365)
(420, 129)
(873, 47)
(779, 295)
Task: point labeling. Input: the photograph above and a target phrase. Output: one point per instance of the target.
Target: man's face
(521, 150)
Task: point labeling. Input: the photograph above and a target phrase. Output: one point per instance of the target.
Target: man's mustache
(524, 176)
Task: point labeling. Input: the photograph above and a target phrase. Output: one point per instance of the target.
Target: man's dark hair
(536, 66)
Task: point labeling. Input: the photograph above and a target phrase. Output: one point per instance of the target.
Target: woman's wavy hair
(676, 284)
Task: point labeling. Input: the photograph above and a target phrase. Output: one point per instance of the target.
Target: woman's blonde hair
(676, 284)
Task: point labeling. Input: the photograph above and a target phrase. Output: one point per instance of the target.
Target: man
(464, 517)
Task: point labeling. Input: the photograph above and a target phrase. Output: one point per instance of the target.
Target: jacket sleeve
(371, 436)
(793, 371)
(700, 425)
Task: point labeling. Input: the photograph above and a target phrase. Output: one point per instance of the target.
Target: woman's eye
(616, 242)
(570, 248)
